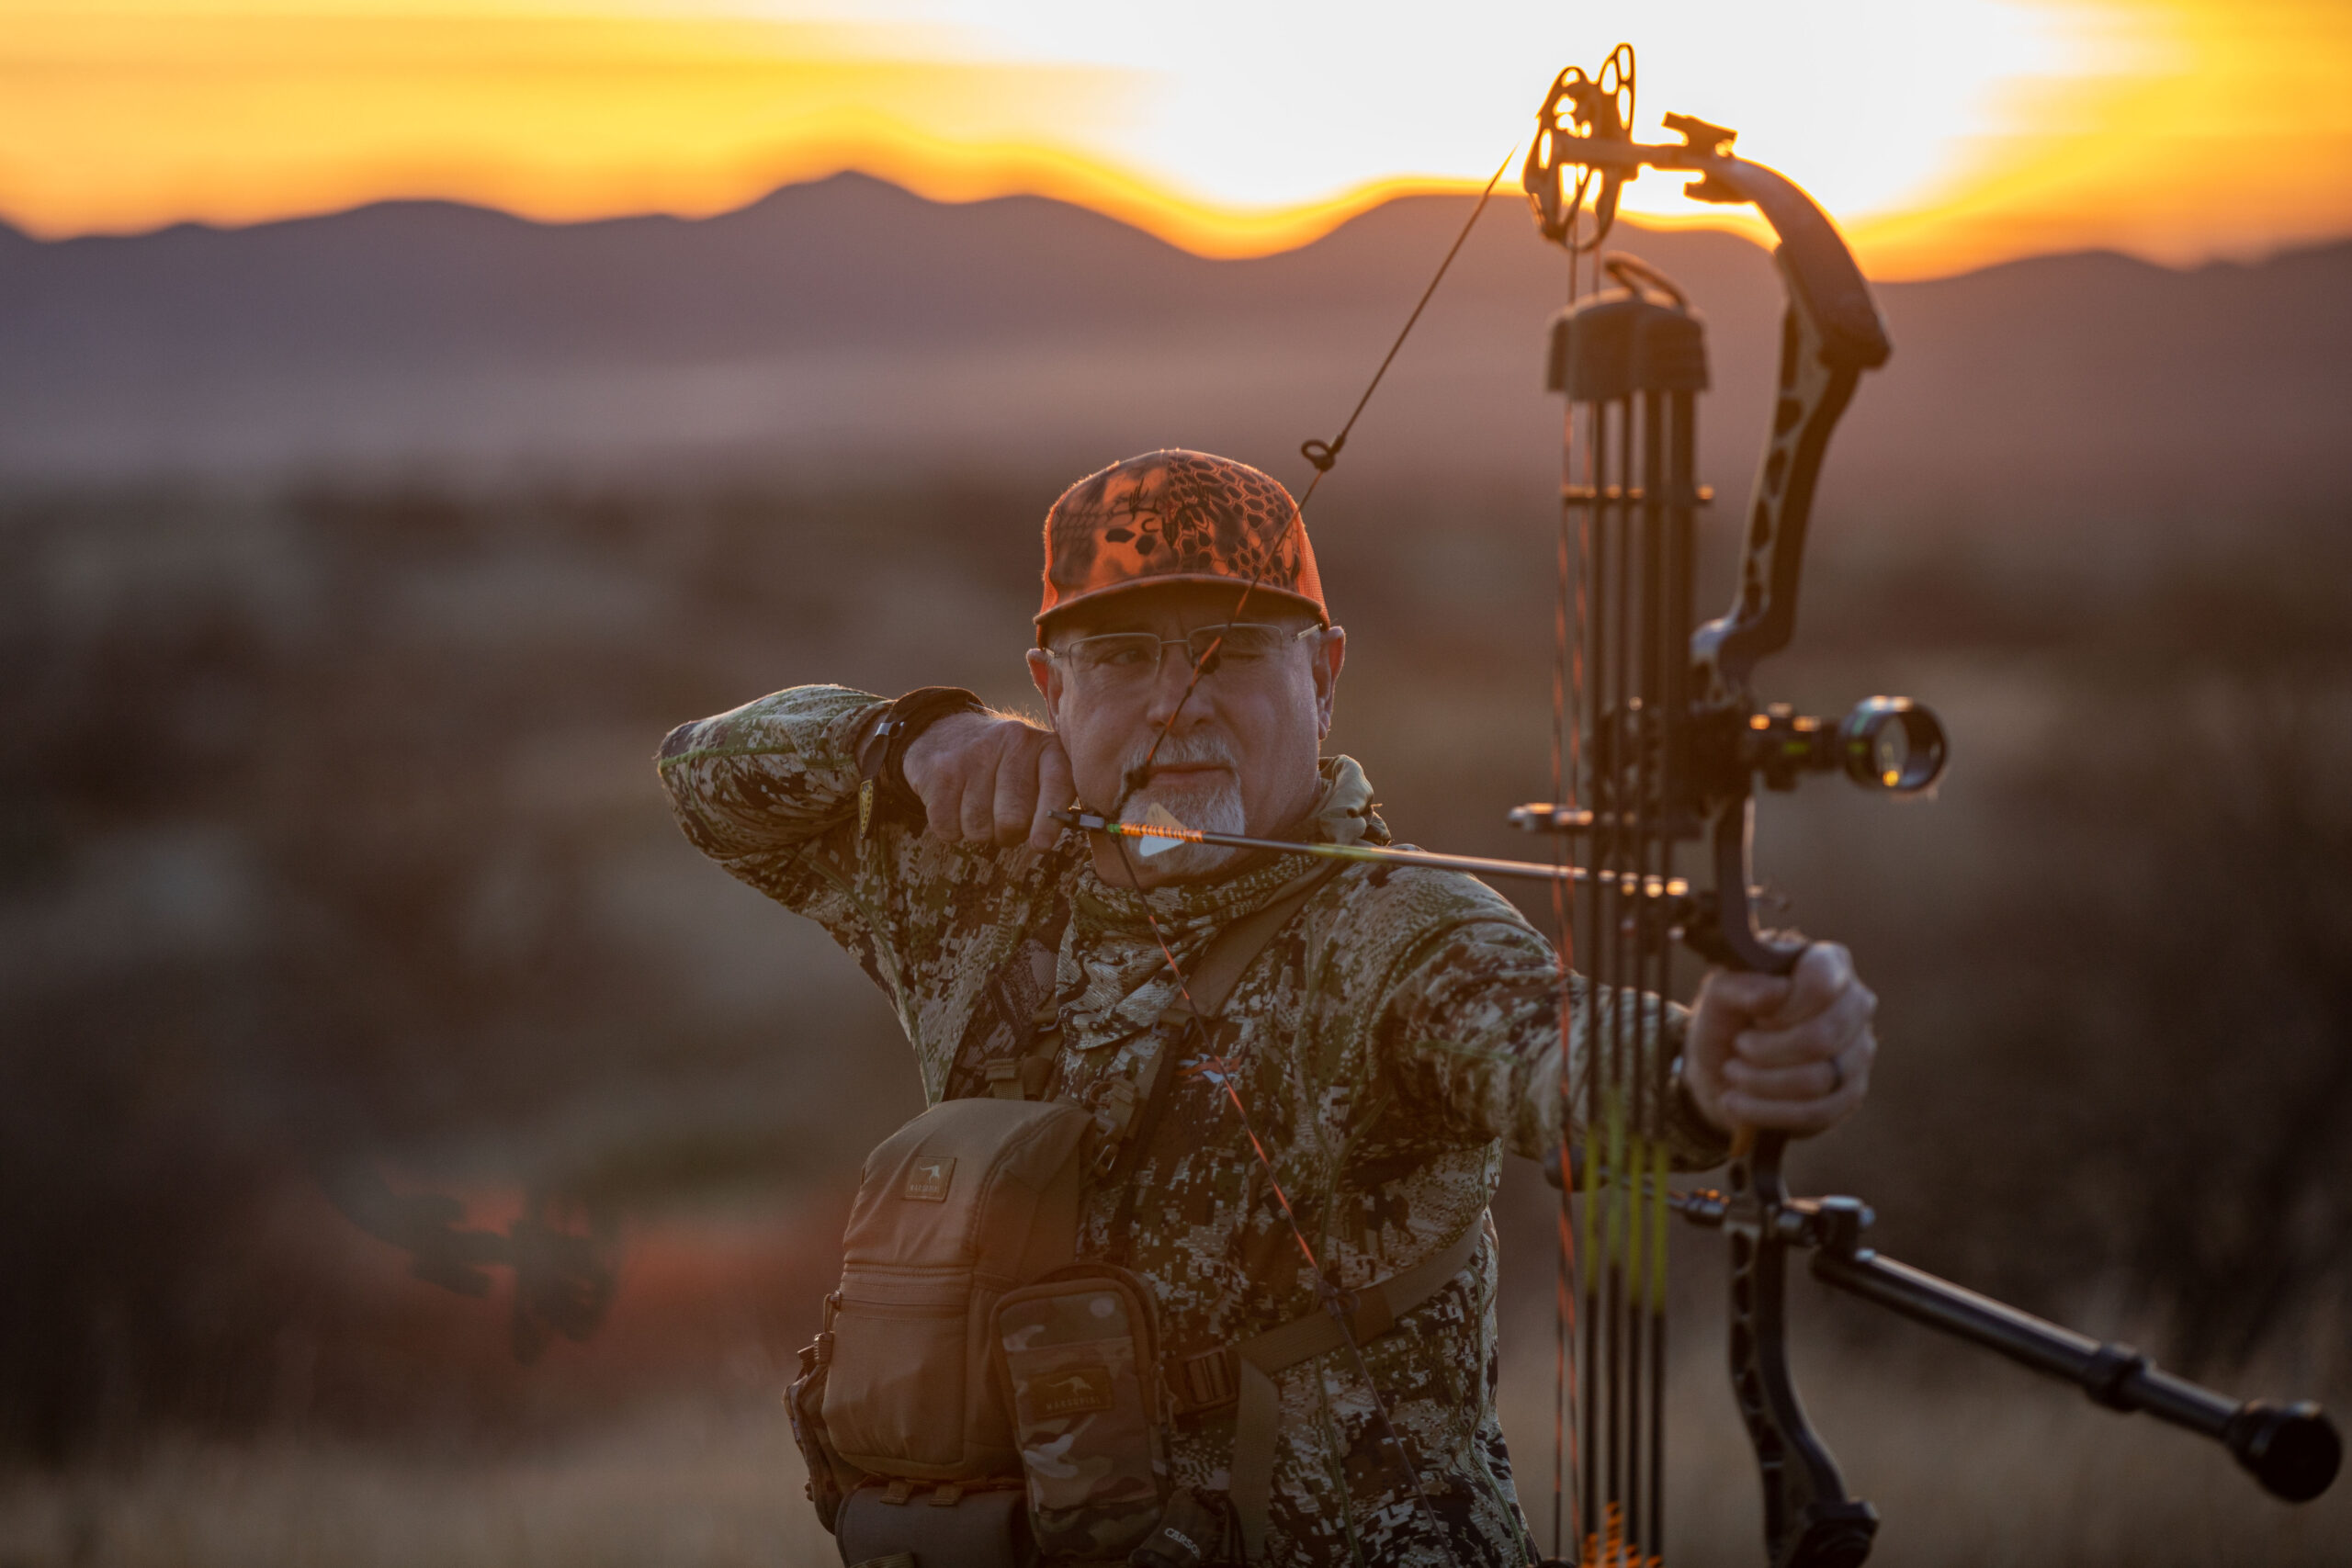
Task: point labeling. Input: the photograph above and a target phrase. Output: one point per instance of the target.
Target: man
(1387, 1046)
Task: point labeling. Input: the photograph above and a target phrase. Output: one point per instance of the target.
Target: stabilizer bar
(2293, 1449)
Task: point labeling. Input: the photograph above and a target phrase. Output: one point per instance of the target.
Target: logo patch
(927, 1179)
(1072, 1391)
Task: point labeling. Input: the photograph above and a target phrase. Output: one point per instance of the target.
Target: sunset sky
(1943, 134)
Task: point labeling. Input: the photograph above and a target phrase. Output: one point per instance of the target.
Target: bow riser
(1831, 333)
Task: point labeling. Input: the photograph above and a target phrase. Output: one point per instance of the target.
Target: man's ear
(1331, 654)
(1045, 674)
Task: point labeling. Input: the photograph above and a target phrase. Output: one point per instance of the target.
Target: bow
(1663, 744)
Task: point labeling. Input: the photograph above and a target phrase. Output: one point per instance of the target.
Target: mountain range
(846, 325)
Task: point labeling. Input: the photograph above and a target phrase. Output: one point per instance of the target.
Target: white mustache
(1185, 752)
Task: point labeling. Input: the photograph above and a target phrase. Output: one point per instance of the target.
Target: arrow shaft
(1476, 865)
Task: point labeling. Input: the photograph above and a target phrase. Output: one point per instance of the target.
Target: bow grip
(1726, 933)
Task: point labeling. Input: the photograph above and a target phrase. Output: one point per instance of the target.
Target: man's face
(1240, 757)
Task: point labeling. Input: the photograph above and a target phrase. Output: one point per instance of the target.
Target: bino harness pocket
(978, 1396)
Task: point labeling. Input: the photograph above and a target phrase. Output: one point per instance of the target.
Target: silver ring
(1837, 1076)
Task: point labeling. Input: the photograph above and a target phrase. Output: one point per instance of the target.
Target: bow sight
(1665, 745)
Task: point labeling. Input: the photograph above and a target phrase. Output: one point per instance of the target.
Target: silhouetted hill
(847, 321)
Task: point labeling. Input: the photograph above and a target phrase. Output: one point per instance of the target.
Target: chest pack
(978, 1397)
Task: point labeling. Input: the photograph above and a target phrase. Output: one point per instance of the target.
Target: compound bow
(1668, 743)
(1660, 733)
(1661, 744)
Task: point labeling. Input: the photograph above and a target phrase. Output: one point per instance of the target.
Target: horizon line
(1206, 231)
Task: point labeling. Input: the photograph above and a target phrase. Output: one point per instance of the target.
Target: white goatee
(1211, 804)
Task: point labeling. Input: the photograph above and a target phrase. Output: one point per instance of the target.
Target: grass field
(1969, 1471)
(329, 849)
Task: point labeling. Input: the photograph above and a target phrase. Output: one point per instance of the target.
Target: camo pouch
(1078, 1359)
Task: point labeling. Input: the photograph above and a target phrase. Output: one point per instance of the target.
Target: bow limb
(1809, 1520)
(1830, 334)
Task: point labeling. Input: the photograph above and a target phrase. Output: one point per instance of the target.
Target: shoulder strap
(1029, 1072)
(1230, 953)
(1206, 990)
(1247, 1369)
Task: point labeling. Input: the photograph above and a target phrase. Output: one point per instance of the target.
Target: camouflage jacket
(1401, 1034)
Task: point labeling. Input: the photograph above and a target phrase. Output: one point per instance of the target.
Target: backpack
(965, 1201)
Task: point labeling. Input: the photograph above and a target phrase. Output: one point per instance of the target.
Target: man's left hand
(1782, 1052)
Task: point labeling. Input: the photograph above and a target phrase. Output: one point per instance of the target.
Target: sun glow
(1943, 135)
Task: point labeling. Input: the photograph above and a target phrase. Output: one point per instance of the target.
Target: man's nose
(1168, 685)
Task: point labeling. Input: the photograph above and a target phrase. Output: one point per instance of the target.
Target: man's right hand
(987, 779)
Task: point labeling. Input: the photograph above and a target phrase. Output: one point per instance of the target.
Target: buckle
(1034, 1069)
(1206, 1380)
(1100, 1164)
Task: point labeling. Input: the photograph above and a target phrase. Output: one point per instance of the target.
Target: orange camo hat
(1177, 516)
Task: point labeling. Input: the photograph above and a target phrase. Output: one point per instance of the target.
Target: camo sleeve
(772, 774)
(1471, 1029)
(770, 791)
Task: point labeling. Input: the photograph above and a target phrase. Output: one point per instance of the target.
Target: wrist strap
(881, 761)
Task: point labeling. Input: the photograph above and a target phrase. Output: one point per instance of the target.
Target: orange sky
(1943, 135)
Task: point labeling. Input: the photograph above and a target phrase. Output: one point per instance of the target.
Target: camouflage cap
(1177, 516)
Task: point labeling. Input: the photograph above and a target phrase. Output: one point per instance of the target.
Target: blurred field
(1967, 1470)
(706, 1483)
(333, 855)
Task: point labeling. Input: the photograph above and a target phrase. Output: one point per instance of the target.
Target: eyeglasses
(1119, 659)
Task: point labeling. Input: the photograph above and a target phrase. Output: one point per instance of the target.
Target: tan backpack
(968, 1201)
